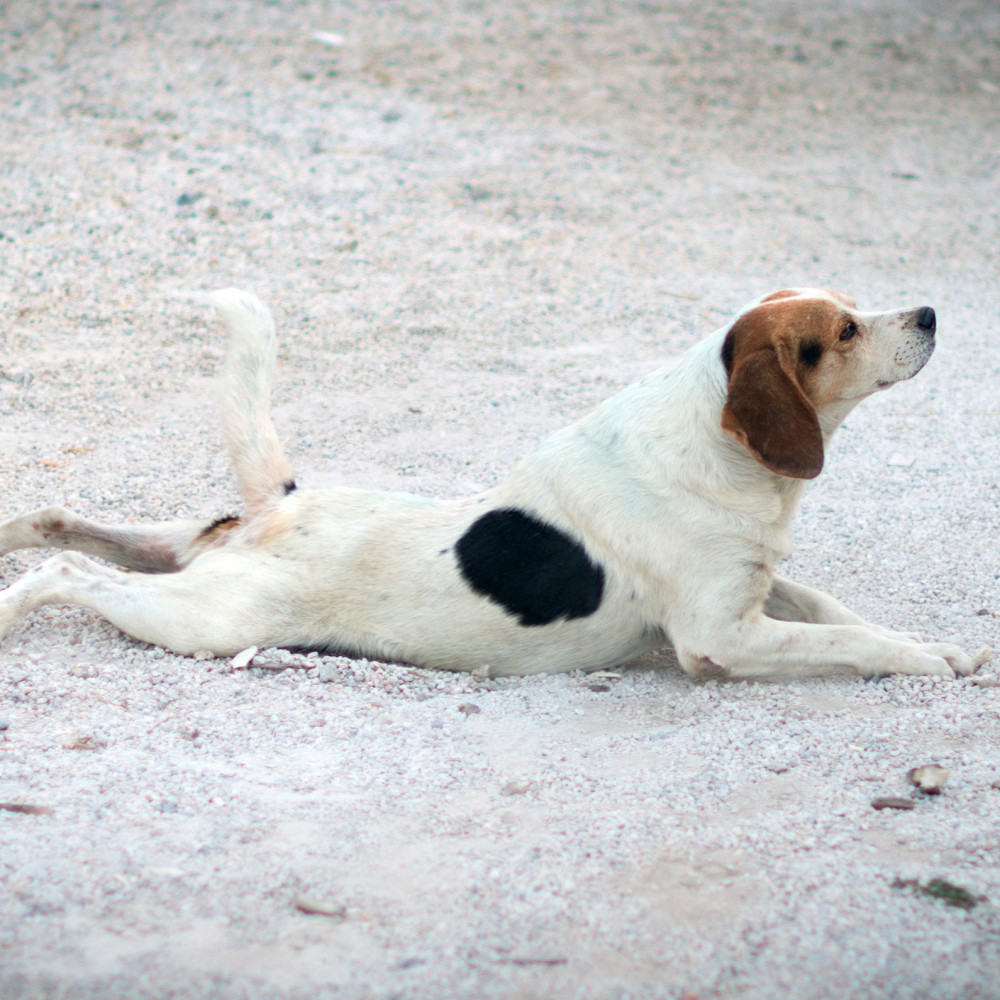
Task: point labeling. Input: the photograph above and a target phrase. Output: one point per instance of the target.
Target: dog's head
(799, 359)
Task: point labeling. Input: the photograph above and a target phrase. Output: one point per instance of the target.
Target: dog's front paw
(957, 658)
(927, 659)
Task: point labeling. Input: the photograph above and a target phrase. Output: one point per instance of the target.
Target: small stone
(893, 802)
(408, 963)
(83, 742)
(516, 787)
(469, 709)
(328, 672)
(203, 654)
(943, 890)
(166, 872)
(25, 809)
(84, 670)
(4, 725)
(319, 907)
(283, 659)
(929, 779)
(243, 659)
(332, 38)
(600, 688)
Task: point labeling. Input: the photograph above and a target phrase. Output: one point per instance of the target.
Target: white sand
(474, 221)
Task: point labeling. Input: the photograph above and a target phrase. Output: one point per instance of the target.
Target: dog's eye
(849, 332)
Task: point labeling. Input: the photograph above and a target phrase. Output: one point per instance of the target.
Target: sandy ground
(474, 221)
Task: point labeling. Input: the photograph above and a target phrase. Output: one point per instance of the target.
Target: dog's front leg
(794, 602)
(759, 646)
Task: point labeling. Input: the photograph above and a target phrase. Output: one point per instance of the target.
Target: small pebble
(516, 787)
(328, 672)
(243, 659)
(331, 38)
(929, 779)
(319, 907)
(893, 802)
(25, 809)
(85, 742)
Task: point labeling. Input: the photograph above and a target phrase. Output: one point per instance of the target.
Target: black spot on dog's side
(810, 351)
(290, 487)
(530, 568)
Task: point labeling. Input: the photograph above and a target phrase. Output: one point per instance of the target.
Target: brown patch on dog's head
(773, 353)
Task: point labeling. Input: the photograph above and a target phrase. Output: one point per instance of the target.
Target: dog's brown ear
(769, 414)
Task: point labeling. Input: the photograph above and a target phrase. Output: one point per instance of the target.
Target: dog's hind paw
(983, 655)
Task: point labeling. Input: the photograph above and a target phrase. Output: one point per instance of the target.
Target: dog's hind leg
(152, 548)
(218, 607)
(263, 473)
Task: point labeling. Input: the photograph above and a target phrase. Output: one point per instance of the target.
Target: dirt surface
(474, 221)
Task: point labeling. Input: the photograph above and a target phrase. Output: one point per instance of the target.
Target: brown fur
(768, 407)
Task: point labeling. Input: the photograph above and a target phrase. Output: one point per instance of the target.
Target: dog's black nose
(926, 319)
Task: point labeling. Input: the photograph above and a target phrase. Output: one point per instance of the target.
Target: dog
(658, 518)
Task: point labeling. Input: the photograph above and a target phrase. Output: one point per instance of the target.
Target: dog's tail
(262, 470)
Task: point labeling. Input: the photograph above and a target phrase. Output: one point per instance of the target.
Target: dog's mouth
(911, 359)
(886, 383)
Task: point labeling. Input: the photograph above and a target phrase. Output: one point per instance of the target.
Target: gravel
(474, 221)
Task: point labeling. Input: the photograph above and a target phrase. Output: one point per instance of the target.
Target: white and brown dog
(658, 518)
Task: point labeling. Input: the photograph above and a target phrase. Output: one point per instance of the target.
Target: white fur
(686, 524)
